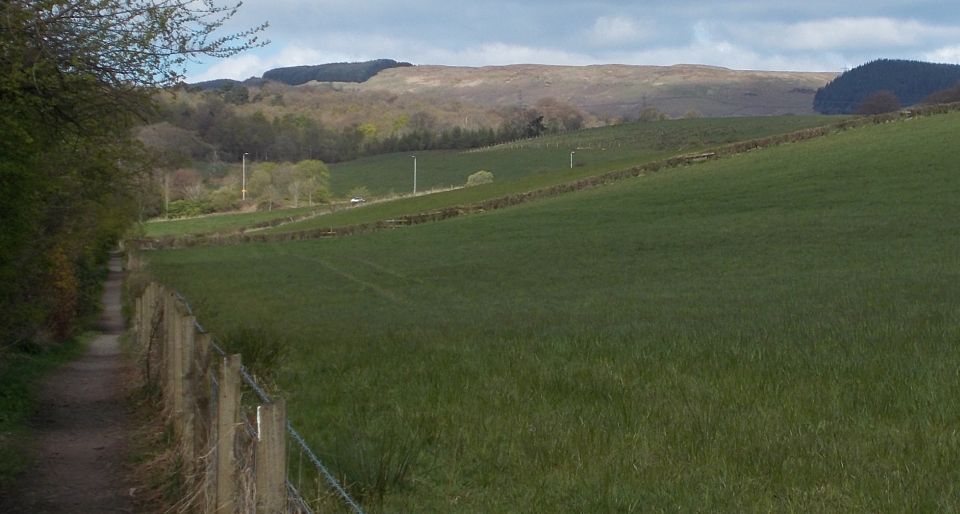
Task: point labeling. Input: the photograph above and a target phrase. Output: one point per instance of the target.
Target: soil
(80, 428)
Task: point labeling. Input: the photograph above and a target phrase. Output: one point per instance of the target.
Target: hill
(910, 81)
(774, 331)
(613, 90)
(334, 72)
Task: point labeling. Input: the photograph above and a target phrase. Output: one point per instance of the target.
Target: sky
(810, 35)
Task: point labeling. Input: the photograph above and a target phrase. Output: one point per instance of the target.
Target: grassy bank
(773, 331)
(222, 223)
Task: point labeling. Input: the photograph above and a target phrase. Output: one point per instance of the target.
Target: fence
(235, 448)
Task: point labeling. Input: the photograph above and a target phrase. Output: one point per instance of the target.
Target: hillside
(774, 331)
(613, 90)
(910, 81)
(333, 72)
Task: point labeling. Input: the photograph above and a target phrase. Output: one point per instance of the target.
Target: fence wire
(294, 496)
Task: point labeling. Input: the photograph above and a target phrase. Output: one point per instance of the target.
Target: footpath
(80, 428)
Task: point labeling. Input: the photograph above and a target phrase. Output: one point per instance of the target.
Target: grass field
(517, 167)
(540, 163)
(606, 148)
(219, 223)
(774, 331)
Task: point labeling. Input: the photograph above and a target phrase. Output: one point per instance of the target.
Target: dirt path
(80, 427)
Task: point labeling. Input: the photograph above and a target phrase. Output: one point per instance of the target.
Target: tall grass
(774, 331)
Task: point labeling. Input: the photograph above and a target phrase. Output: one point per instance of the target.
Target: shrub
(879, 102)
(188, 208)
(480, 177)
(359, 192)
(945, 96)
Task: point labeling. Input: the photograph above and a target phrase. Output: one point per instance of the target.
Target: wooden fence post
(176, 365)
(202, 429)
(138, 317)
(201, 387)
(187, 388)
(271, 470)
(167, 348)
(228, 417)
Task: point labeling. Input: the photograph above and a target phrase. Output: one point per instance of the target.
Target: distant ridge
(911, 81)
(357, 72)
(333, 72)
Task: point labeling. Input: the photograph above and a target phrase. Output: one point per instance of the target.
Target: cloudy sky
(812, 35)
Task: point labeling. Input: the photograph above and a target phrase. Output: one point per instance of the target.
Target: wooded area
(909, 81)
(76, 78)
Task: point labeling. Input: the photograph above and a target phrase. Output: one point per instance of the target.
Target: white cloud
(731, 55)
(617, 30)
(847, 33)
(946, 54)
(496, 54)
(238, 68)
(249, 65)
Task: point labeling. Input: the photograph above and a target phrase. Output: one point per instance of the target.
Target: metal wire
(334, 483)
(248, 379)
(294, 495)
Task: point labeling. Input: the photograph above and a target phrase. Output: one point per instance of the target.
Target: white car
(357, 200)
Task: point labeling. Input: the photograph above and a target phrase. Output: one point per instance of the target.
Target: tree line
(908, 81)
(76, 78)
(212, 128)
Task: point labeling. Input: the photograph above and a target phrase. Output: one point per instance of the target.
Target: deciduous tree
(75, 77)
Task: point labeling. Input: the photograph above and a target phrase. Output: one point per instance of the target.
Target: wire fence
(180, 360)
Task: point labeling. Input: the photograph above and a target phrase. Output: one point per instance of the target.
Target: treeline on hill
(212, 129)
(333, 72)
(72, 89)
(296, 75)
(909, 81)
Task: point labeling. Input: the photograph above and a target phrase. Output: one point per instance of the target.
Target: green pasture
(535, 164)
(775, 331)
(219, 223)
(517, 167)
(620, 145)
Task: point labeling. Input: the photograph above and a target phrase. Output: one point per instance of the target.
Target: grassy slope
(774, 331)
(219, 223)
(595, 147)
(540, 163)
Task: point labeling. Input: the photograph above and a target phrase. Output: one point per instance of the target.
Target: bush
(188, 208)
(879, 102)
(480, 177)
(224, 199)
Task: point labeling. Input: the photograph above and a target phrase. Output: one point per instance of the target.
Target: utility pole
(166, 195)
(243, 179)
(414, 174)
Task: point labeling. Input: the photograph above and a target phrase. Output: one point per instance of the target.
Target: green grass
(615, 146)
(20, 374)
(774, 331)
(540, 163)
(218, 223)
